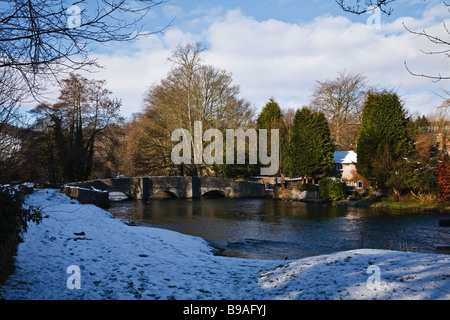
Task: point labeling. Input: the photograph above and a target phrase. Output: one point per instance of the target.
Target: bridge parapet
(83, 195)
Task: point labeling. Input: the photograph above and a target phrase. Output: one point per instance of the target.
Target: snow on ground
(118, 261)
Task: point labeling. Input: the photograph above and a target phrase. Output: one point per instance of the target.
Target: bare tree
(10, 97)
(191, 92)
(11, 137)
(39, 40)
(288, 118)
(187, 60)
(341, 101)
(83, 113)
(44, 41)
(440, 122)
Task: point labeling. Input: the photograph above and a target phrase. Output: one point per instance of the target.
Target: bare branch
(436, 40)
(369, 5)
(436, 78)
(39, 42)
(359, 8)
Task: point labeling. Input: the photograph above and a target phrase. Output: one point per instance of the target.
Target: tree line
(83, 136)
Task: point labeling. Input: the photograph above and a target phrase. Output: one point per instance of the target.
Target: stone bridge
(97, 191)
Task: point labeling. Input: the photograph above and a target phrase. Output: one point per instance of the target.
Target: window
(338, 166)
(359, 185)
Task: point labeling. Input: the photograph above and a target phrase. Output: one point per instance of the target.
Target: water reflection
(267, 229)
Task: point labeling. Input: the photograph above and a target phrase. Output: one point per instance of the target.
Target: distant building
(345, 169)
(443, 144)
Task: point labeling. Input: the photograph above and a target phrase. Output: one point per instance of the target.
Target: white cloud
(276, 59)
(130, 75)
(273, 58)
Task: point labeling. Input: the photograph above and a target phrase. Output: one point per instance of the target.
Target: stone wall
(294, 194)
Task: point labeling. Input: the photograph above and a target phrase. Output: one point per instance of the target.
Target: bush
(307, 187)
(14, 217)
(443, 178)
(332, 189)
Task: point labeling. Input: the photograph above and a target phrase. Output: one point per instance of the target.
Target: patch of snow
(118, 261)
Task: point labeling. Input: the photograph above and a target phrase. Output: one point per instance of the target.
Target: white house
(345, 169)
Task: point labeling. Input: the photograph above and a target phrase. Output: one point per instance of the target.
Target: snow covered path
(118, 261)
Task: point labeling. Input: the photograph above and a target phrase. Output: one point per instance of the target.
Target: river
(273, 229)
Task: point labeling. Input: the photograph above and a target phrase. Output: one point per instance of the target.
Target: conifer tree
(310, 149)
(323, 150)
(271, 117)
(383, 137)
(298, 158)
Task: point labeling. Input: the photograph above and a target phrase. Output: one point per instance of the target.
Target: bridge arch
(118, 196)
(212, 194)
(164, 194)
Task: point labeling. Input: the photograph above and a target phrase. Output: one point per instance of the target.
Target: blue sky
(281, 48)
(291, 11)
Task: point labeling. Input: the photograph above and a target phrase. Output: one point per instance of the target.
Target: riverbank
(117, 261)
(394, 205)
(294, 194)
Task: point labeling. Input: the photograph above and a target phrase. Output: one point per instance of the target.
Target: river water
(272, 229)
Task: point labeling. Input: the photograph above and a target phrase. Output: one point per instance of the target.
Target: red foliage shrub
(443, 178)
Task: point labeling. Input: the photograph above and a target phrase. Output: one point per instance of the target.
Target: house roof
(345, 157)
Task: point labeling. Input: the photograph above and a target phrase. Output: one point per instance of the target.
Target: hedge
(14, 216)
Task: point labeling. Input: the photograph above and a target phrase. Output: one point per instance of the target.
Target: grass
(412, 206)
(386, 203)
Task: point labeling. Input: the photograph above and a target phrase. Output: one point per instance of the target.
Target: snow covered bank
(118, 261)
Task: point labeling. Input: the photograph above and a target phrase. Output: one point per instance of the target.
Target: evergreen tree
(417, 127)
(271, 117)
(310, 149)
(297, 159)
(383, 137)
(323, 150)
(414, 176)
